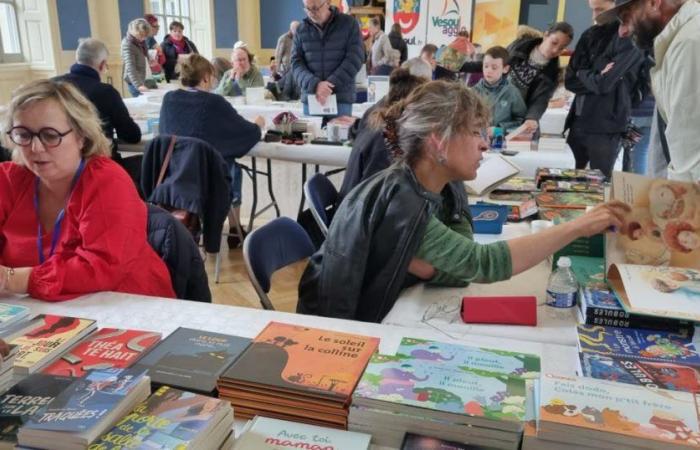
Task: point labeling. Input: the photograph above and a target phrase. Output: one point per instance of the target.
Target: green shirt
(228, 86)
(458, 260)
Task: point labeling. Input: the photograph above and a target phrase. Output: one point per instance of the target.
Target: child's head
(495, 64)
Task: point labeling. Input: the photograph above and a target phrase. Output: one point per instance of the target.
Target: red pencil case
(501, 310)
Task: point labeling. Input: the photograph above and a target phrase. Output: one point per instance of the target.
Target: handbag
(189, 220)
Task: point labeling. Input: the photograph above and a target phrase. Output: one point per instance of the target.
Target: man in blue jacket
(327, 55)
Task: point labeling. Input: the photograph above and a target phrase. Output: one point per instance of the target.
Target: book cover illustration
(299, 358)
(25, 399)
(108, 348)
(517, 184)
(523, 365)
(589, 175)
(636, 411)
(432, 385)
(417, 442)
(637, 343)
(674, 377)
(11, 313)
(192, 359)
(169, 419)
(47, 333)
(571, 186)
(663, 227)
(87, 400)
(568, 200)
(516, 197)
(272, 434)
(560, 215)
(671, 292)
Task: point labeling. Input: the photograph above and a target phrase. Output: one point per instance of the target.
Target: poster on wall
(411, 15)
(495, 22)
(446, 18)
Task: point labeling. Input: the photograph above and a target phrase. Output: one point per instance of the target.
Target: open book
(654, 263)
(493, 171)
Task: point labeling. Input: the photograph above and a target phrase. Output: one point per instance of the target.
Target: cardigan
(102, 244)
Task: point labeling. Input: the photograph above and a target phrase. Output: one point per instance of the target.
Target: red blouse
(102, 245)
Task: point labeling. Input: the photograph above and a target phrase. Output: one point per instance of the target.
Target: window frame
(164, 18)
(8, 58)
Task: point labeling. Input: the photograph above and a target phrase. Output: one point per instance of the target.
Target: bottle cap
(564, 262)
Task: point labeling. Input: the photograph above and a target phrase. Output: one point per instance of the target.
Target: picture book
(440, 387)
(86, 401)
(10, 314)
(559, 215)
(417, 442)
(168, 419)
(663, 228)
(493, 171)
(192, 359)
(584, 175)
(652, 374)
(517, 184)
(571, 186)
(634, 413)
(304, 359)
(105, 349)
(377, 87)
(45, 337)
(272, 434)
(520, 204)
(668, 292)
(634, 343)
(24, 400)
(489, 360)
(568, 200)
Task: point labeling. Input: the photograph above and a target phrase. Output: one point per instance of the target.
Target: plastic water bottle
(497, 139)
(562, 288)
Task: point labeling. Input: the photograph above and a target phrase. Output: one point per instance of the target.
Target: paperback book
(571, 175)
(417, 442)
(559, 215)
(517, 184)
(571, 186)
(11, 314)
(568, 200)
(493, 171)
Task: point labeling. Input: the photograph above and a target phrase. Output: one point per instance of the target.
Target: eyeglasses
(316, 9)
(48, 136)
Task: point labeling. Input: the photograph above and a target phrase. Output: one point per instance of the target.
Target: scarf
(180, 46)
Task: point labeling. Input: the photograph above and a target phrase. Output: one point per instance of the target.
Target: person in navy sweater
(193, 111)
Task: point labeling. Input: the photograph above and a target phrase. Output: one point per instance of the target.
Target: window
(10, 48)
(168, 10)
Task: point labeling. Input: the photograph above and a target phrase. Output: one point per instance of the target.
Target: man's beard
(645, 33)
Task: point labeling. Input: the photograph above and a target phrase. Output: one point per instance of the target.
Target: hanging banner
(446, 18)
(495, 22)
(411, 15)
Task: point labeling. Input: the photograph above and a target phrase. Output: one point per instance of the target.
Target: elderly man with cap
(672, 29)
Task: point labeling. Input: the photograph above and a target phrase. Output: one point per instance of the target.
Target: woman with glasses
(406, 224)
(71, 221)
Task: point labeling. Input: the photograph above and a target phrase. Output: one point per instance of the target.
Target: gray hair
(91, 52)
(139, 27)
(419, 68)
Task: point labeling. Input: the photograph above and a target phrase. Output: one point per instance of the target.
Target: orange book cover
(299, 358)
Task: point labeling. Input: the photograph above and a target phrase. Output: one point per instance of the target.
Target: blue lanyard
(59, 219)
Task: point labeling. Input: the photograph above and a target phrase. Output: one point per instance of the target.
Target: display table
(553, 121)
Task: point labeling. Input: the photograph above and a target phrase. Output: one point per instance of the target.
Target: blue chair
(271, 247)
(322, 197)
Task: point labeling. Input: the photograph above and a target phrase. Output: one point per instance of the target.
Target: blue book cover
(432, 385)
(499, 361)
(87, 400)
(10, 314)
(635, 343)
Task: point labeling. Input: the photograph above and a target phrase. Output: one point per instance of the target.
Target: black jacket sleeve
(625, 56)
(126, 128)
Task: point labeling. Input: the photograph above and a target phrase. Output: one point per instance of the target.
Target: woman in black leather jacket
(409, 223)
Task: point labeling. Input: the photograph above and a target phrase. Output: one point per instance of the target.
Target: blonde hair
(81, 113)
(139, 27)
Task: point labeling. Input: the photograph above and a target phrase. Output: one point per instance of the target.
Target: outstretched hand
(605, 217)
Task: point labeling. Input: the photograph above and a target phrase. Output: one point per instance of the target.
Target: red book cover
(501, 310)
(108, 348)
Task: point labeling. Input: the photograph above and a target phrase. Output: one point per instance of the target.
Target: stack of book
(86, 409)
(11, 315)
(296, 373)
(192, 360)
(568, 200)
(44, 338)
(591, 176)
(6, 368)
(417, 442)
(457, 393)
(24, 400)
(646, 357)
(172, 419)
(581, 413)
(263, 433)
(517, 194)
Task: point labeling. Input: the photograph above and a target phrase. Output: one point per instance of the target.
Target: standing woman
(534, 69)
(397, 42)
(135, 56)
(382, 58)
(175, 46)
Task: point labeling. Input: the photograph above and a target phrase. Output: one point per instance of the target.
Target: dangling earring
(441, 160)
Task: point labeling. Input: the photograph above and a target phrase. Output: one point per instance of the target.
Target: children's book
(571, 175)
(493, 171)
(517, 184)
(24, 400)
(192, 359)
(171, 419)
(272, 434)
(417, 442)
(652, 374)
(45, 337)
(11, 314)
(303, 359)
(559, 215)
(520, 204)
(108, 348)
(586, 411)
(568, 200)
(505, 362)
(571, 186)
(633, 343)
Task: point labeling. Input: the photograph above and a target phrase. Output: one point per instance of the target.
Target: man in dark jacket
(602, 73)
(91, 60)
(398, 42)
(327, 55)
